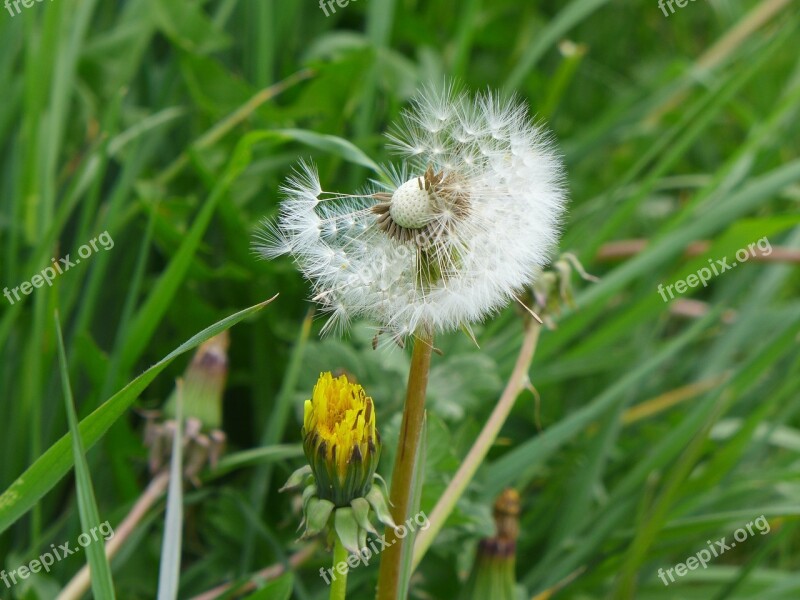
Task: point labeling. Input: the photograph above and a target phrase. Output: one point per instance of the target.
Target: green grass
(171, 123)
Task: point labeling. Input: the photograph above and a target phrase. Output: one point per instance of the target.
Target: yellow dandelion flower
(340, 439)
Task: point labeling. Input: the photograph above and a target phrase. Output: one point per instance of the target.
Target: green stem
(403, 475)
(339, 583)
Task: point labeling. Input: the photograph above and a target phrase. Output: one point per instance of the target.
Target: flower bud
(340, 439)
(493, 572)
(203, 390)
(204, 384)
(343, 447)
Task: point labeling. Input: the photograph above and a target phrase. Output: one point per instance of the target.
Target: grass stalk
(267, 574)
(516, 383)
(80, 583)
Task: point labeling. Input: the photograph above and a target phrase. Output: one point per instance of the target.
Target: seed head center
(411, 205)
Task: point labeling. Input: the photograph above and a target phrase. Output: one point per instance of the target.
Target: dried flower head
(461, 227)
(203, 391)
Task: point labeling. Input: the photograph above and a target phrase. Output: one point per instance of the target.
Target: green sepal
(377, 477)
(308, 493)
(317, 515)
(297, 479)
(361, 511)
(352, 481)
(378, 502)
(347, 529)
(362, 537)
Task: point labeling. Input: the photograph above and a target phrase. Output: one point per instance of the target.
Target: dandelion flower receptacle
(455, 232)
(341, 490)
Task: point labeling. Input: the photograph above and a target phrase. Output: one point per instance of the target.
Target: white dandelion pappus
(469, 219)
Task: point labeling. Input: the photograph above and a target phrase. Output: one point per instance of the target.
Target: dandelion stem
(339, 583)
(403, 475)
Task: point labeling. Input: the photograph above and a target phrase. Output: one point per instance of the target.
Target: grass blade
(48, 470)
(102, 584)
(170, 571)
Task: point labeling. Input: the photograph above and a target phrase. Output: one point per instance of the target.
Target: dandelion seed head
(464, 222)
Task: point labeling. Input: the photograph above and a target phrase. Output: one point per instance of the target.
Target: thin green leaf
(256, 456)
(571, 15)
(170, 568)
(48, 470)
(280, 589)
(102, 584)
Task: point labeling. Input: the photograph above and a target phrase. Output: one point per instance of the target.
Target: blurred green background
(170, 124)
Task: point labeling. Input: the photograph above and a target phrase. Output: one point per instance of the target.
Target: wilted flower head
(202, 395)
(553, 288)
(459, 229)
(204, 383)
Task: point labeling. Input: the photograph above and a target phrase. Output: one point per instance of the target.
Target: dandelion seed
(471, 215)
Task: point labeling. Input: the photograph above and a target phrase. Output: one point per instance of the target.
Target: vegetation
(649, 429)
